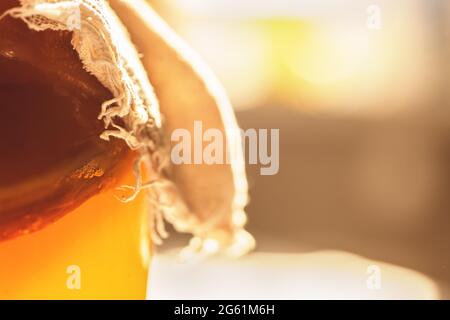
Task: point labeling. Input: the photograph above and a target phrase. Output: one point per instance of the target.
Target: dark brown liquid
(51, 156)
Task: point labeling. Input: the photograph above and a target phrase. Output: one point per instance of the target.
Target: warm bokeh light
(363, 112)
(315, 55)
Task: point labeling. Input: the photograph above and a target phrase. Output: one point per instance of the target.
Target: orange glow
(105, 238)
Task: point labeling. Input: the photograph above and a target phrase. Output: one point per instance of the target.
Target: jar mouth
(103, 34)
(52, 157)
(78, 109)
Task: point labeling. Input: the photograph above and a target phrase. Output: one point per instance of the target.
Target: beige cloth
(104, 47)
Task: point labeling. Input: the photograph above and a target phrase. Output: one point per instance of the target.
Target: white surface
(320, 275)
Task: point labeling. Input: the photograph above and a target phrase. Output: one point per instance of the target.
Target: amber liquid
(63, 234)
(98, 251)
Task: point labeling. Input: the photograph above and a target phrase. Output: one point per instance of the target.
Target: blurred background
(360, 92)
